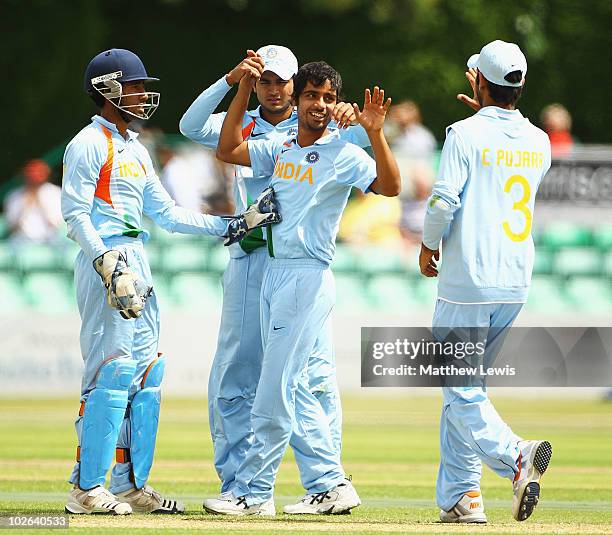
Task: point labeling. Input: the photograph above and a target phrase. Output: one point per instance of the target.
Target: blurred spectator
(195, 179)
(414, 147)
(33, 211)
(557, 123)
(414, 204)
(152, 137)
(412, 138)
(221, 202)
(370, 219)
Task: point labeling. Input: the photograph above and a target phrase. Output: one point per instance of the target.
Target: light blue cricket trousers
(296, 300)
(236, 371)
(471, 430)
(237, 364)
(106, 335)
(323, 382)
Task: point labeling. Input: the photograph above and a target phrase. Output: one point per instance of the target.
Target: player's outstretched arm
(372, 118)
(232, 148)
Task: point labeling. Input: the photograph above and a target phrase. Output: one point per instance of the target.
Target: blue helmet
(108, 70)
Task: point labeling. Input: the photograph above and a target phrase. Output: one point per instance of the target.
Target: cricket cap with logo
(498, 59)
(280, 60)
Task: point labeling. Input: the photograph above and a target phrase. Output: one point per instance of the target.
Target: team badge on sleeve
(312, 157)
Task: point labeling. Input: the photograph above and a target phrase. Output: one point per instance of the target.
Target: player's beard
(316, 127)
(277, 111)
(127, 117)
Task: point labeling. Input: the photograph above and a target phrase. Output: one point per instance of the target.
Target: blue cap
(116, 60)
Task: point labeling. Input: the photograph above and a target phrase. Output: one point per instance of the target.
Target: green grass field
(390, 448)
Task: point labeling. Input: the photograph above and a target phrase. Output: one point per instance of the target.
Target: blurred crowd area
(376, 260)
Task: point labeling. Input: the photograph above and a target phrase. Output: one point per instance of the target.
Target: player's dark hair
(505, 95)
(316, 73)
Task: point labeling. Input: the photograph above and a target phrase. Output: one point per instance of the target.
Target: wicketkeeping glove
(263, 212)
(124, 290)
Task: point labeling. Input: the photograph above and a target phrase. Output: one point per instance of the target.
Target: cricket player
(108, 183)
(481, 207)
(237, 364)
(313, 172)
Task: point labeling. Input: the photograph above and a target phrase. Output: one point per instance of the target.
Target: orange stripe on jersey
(287, 144)
(246, 131)
(103, 186)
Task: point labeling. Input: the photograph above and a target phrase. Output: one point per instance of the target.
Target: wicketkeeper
(109, 183)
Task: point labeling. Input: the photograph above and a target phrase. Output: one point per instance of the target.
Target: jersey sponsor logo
(289, 171)
(312, 157)
(512, 158)
(258, 134)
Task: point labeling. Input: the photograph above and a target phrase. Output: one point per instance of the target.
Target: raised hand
(252, 66)
(472, 101)
(374, 111)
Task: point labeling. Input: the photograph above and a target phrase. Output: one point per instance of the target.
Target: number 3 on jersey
(521, 206)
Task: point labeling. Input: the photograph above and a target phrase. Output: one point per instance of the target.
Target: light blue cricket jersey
(109, 182)
(482, 206)
(201, 125)
(312, 187)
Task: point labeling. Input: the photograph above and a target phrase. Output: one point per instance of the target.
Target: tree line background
(415, 49)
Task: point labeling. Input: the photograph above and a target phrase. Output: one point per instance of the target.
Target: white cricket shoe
(96, 500)
(228, 504)
(148, 500)
(337, 501)
(532, 463)
(468, 510)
